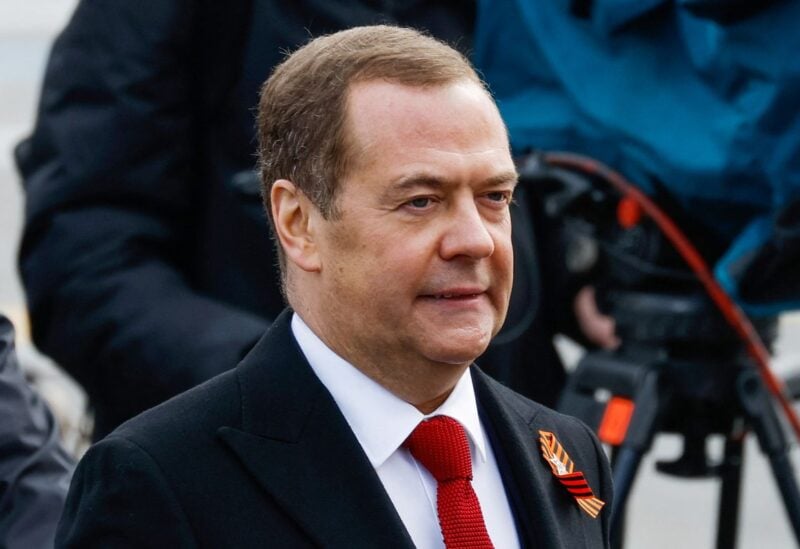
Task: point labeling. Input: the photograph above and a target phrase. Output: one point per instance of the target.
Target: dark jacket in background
(34, 469)
(146, 256)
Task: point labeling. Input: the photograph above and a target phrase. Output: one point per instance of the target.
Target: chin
(465, 353)
(455, 344)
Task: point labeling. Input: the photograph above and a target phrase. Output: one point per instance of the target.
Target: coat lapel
(299, 448)
(544, 512)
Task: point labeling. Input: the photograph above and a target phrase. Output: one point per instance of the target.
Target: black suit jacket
(261, 457)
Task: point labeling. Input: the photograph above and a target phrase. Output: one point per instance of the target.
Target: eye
(420, 202)
(500, 197)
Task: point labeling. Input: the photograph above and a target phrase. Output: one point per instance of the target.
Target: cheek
(395, 265)
(504, 250)
(375, 267)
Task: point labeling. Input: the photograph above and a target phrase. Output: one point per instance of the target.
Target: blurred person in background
(34, 468)
(144, 257)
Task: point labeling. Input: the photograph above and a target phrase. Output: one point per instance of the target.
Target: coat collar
(544, 515)
(296, 444)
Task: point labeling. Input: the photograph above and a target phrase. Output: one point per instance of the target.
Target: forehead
(387, 116)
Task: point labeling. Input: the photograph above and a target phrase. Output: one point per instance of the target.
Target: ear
(293, 215)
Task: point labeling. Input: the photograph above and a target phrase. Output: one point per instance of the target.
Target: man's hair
(302, 113)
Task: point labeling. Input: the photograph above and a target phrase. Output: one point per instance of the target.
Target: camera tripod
(680, 370)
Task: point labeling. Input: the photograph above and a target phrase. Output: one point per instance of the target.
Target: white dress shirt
(382, 422)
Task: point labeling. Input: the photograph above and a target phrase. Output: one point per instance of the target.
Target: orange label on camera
(616, 419)
(629, 212)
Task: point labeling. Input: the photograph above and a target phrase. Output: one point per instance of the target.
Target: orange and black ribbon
(564, 470)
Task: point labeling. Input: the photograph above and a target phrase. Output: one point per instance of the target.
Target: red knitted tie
(440, 444)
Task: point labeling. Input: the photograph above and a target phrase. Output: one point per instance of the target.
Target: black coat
(146, 256)
(261, 457)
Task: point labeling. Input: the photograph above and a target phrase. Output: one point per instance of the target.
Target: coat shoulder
(188, 419)
(529, 409)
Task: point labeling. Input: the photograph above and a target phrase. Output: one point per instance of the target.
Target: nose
(467, 234)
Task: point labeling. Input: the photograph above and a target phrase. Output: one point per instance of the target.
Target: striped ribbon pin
(564, 470)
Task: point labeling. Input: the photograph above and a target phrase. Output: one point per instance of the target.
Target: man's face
(418, 266)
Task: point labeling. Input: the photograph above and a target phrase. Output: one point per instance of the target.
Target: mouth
(455, 294)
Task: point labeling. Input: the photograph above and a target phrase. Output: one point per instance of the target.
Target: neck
(431, 405)
(423, 383)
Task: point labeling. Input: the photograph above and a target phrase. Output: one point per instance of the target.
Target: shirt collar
(380, 420)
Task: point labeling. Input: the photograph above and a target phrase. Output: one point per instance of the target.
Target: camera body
(679, 362)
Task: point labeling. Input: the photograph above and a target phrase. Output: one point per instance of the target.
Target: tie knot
(440, 444)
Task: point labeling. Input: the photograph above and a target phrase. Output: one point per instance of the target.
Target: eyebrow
(434, 182)
(503, 178)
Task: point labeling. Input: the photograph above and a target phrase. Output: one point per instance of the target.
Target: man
(140, 186)
(357, 421)
(139, 182)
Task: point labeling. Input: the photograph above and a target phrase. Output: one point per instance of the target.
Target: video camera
(642, 281)
(681, 367)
